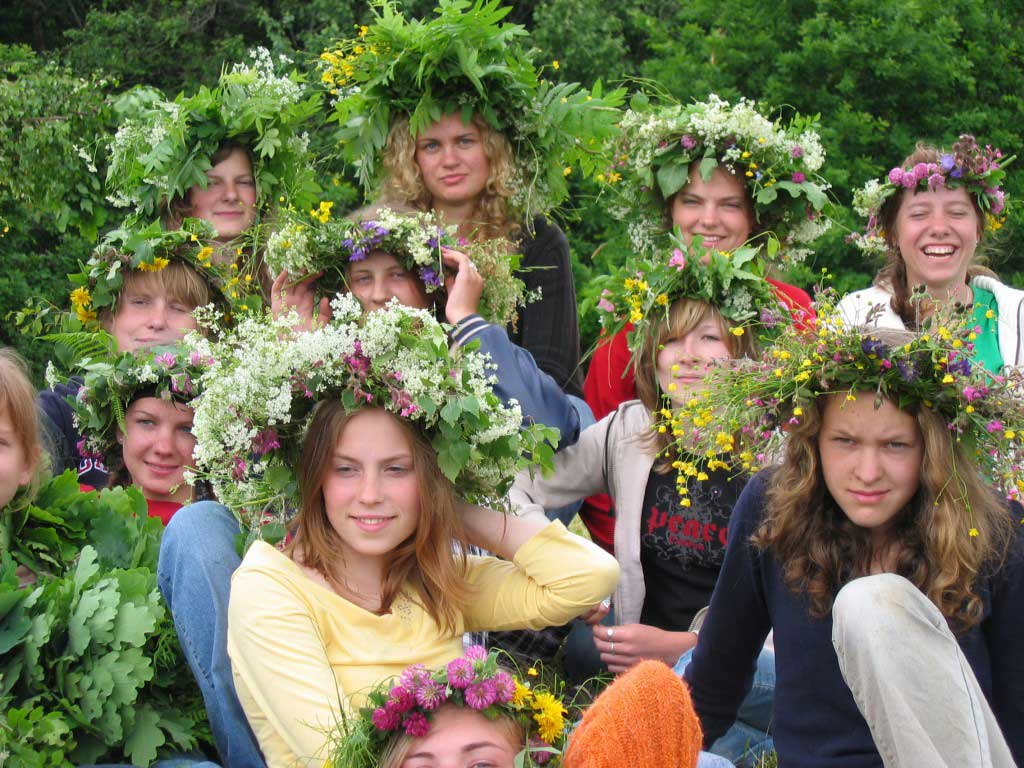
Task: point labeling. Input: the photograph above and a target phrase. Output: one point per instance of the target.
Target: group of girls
(860, 598)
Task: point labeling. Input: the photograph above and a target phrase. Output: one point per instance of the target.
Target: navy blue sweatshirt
(59, 425)
(816, 721)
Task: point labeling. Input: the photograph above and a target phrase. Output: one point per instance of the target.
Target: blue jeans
(568, 512)
(749, 738)
(198, 554)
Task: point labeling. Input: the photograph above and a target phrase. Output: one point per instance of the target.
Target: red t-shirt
(163, 509)
(610, 382)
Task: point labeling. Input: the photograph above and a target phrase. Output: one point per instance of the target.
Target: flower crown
(111, 381)
(653, 154)
(158, 155)
(979, 171)
(321, 244)
(465, 61)
(151, 249)
(260, 393)
(643, 291)
(738, 422)
(475, 681)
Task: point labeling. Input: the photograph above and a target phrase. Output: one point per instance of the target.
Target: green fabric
(986, 347)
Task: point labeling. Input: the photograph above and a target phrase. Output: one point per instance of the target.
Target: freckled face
(870, 459)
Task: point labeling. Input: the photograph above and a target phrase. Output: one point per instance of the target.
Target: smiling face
(683, 362)
(371, 491)
(454, 165)
(148, 317)
(379, 278)
(937, 233)
(717, 209)
(157, 446)
(229, 200)
(460, 737)
(870, 460)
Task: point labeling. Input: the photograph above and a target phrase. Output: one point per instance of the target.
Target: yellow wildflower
(798, 411)
(614, 177)
(948, 379)
(549, 716)
(81, 298)
(158, 263)
(850, 397)
(662, 300)
(567, 170)
(323, 213)
(737, 331)
(973, 532)
(85, 315)
(555, 64)
(1009, 434)
(522, 695)
(205, 254)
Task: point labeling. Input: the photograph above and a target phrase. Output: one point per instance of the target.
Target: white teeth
(939, 250)
(371, 520)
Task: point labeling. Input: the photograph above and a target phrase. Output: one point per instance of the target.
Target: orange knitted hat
(644, 718)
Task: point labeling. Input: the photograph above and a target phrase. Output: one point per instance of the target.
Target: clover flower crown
(151, 249)
(779, 163)
(475, 681)
(160, 153)
(738, 422)
(261, 388)
(642, 292)
(465, 61)
(320, 243)
(979, 171)
(112, 381)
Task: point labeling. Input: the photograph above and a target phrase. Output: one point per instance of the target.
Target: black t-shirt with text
(682, 548)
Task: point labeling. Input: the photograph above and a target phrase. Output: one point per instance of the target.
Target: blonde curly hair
(403, 182)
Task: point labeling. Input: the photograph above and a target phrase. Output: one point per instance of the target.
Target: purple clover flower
(166, 359)
(265, 441)
(936, 181)
(401, 699)
(909, 180)
(480, 694)
(921, 171)
(476, 653)
(416, 725)
(504, 687)
(385, 720)
(896, 176)
(460, 673)
(430, 695)
(799, 177)
(687, 141)
(413, 676)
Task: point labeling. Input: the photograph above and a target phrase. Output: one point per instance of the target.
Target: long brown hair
(403, 182)
(684, 315)
(893, 274)
(820, 549)
(18, 401)
(428, 560)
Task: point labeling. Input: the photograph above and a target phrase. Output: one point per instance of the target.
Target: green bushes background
(880, 75)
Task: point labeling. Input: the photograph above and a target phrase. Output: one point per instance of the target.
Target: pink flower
(504, 687)
(678, 259)
(936, 180)
(238, 473)
(798, 177)
(460, 673)
(430, 695)
(921, 171)
(481, 694)
(688, 141)
(896, 176)
(998, 200)
(401, 699)
(974, 393)
(384, 719)
(605, 306)
(166, 359)
(994, 426)
(909, 180)
(197, 358)
(796, 151)
(539, 751)
(416, 725)
(265, 441)
(476, 653)
(413, 676)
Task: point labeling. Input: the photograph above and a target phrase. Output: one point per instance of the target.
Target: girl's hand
(625, 645)
(597, 613)
(300, 297)
(464, 287)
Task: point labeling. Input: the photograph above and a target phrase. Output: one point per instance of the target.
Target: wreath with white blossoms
(320, 244)
(264, 382)
(779, 163)
(159, 154)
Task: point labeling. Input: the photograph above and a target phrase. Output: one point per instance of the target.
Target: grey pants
(910, 679)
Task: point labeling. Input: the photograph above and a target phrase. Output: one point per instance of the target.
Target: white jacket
(1010, 302)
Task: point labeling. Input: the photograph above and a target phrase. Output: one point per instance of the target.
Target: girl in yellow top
(375, 577)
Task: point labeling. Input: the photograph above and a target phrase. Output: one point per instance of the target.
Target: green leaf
(672, 176)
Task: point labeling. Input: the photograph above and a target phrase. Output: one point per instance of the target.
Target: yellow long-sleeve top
(300, 652)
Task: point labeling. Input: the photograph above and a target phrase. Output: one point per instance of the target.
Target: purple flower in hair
(798, 177)
(909, 180)
(416, 725)
(430, 695)
(936, 180)
(946, 162)
(384, 719)
(921, 171)
(413, 676)
(166, 359)
(874, 347)
(504, 687)
(961, 366)
(481, 694)
(476, 653)
(687, 141)
(460, 673)
(997, 200)
(429, 277)
(896, 176)
(401, 699)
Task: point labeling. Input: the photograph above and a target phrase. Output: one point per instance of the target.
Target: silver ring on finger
(612, 649)
(611, 632)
